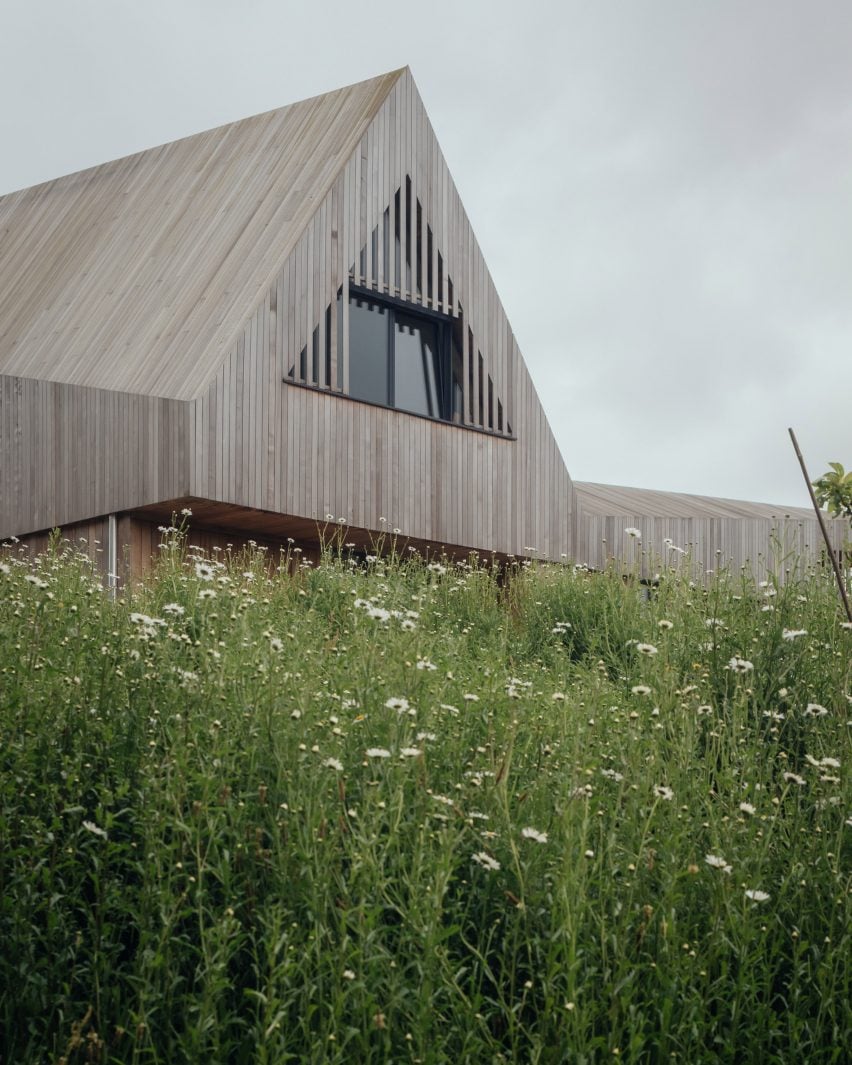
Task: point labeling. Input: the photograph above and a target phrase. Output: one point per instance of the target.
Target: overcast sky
(662, 190)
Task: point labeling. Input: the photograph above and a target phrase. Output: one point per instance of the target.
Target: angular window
(403, 356)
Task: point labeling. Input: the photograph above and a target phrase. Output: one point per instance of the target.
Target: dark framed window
(404, 356)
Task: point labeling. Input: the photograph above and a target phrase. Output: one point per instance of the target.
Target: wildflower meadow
(408, 810)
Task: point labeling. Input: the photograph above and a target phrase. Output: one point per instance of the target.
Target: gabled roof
(611, 499)
(138, 275)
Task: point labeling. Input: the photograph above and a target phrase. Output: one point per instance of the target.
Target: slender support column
(112, 554)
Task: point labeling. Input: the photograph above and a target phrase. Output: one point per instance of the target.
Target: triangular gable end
(393, 202)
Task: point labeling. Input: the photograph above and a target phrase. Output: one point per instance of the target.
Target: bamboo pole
(835, 564)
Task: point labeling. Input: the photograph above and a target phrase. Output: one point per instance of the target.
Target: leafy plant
(834, 490)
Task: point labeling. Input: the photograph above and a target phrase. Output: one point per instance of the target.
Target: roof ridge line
(197, 133)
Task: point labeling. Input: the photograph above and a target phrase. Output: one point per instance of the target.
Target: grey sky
(663, 191)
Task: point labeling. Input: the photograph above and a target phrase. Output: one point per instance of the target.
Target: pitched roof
(138, 275)
(609, 499)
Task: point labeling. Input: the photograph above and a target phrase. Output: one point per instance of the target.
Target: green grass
(200, 862)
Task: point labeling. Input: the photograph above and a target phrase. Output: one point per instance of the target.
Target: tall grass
(408, 812)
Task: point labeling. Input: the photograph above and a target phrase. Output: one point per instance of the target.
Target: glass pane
(457, 412)
(368, 351)
(417, 377)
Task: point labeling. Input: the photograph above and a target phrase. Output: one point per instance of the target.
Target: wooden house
(660, 530)
(282, 324)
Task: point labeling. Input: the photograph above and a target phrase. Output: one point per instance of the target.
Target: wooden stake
(835, 564)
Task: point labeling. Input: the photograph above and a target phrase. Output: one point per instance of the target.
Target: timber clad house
(289, 318)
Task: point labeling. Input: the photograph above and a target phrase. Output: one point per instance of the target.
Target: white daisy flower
(740, 665)
(815, 710)
(398, 703)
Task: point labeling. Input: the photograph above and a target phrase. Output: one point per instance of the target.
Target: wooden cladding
(260, 443)
(212, 267)
(700, 532)
(759, 545)
(68, 452)
(303, 452)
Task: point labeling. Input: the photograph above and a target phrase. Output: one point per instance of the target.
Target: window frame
(444, 329)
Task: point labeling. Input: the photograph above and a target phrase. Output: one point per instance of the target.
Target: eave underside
(285, 529)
